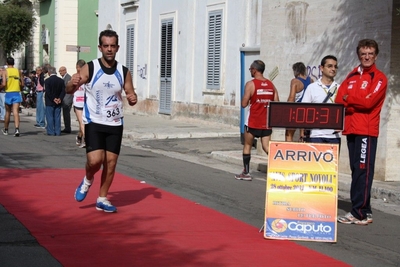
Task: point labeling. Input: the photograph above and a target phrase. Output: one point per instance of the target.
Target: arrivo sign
(305, 115)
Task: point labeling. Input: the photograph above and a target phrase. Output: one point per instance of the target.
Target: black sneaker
(16, 134)
(4, 131)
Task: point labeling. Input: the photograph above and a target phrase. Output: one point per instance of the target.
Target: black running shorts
(105, 137)
(259, 132)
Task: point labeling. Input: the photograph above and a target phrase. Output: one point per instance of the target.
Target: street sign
(85, 49)
(78, 48)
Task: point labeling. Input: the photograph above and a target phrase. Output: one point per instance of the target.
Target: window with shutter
(130, 47)
(214, 49)
(166, 66)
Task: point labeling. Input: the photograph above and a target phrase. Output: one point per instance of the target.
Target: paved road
(183, 167)
(199, 150)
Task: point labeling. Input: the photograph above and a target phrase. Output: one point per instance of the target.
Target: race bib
(112, 110)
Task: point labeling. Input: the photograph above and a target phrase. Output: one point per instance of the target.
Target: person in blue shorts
(12, 82)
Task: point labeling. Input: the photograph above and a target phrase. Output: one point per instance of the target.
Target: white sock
(101, 199)
(88, 182)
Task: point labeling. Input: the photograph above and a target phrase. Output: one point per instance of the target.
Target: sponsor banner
(301, 192)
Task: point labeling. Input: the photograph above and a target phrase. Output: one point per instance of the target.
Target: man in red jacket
(363, 93)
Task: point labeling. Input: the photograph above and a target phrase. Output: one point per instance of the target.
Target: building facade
(309, 30)
(66, 32)
(185, 55)
(191, 58)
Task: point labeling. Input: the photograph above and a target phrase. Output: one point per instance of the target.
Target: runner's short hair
(325, 58)
(259, 65)
(299, 69)
(10, 61)
(108, 33)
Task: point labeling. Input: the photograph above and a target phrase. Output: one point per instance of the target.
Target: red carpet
(152, 227)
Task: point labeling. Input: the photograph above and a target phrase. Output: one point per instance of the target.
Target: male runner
(105, 79)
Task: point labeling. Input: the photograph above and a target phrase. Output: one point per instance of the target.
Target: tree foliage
(19, 3)
(16, 25)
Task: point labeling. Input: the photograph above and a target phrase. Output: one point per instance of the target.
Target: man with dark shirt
(54, 94)
(67, 101)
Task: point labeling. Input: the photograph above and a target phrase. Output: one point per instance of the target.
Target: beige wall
(309, 30)
(65, 33)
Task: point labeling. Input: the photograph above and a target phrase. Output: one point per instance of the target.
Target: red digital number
(310, 115)
(324, 115)
(337, 116)
(305, 115)
(300, 115)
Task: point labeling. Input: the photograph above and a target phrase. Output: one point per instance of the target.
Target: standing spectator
(55, 92)
(2, 97)
(46, 71)
(67, 101)
(33, 77)
(298, 87)
(26, 89)
(40, 107)
(363, 93)
(79, 99)
(257, 93)
(324, 91)
(12, 83)
(104, 80)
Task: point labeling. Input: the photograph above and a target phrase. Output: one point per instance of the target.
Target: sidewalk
(145, 127)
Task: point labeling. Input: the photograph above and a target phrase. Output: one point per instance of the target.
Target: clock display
(305, 115)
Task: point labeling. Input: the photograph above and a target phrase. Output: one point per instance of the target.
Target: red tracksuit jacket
(366, 90)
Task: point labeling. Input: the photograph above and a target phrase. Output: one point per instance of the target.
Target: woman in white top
(79, 100)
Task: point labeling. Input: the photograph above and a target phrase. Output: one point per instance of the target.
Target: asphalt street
(186, 167)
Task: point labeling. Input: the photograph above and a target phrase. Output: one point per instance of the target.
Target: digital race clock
(305, 115)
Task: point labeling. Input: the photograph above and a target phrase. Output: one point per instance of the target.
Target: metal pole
(79, 50)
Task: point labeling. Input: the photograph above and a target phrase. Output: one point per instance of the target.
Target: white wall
(286, 31)
(189, 44)
(309, 30)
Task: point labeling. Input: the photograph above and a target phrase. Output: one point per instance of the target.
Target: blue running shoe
(105, 206)
(81, 191)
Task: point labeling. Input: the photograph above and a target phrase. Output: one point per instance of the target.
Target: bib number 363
(113, 113)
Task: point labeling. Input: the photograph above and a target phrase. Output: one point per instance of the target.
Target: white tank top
(103, 97)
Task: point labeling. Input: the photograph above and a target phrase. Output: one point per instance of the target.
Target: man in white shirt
(324, 91)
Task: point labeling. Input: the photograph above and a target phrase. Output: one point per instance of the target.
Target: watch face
(305, 115)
